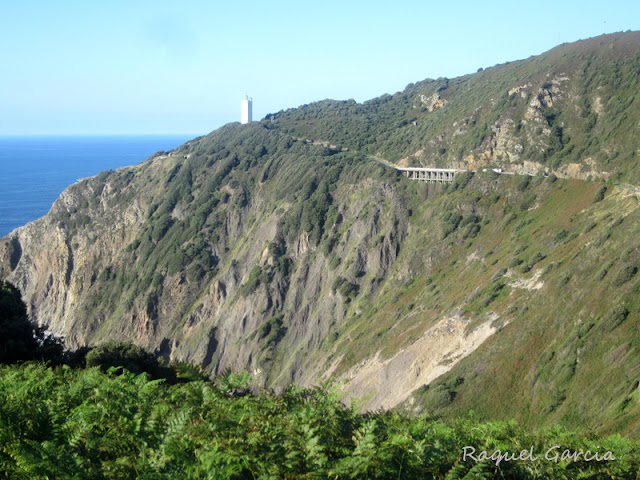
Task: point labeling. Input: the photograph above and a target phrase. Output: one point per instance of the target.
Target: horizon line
(6, 135)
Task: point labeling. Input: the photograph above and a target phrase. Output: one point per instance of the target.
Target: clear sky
(114, 67)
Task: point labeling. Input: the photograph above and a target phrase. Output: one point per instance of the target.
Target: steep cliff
(213, 253)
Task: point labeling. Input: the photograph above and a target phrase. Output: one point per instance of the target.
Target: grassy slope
(591, 121)
(569, 351)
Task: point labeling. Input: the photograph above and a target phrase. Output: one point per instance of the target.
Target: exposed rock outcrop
(433, 102)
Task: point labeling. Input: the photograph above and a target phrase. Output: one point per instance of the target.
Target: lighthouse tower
(246, 110)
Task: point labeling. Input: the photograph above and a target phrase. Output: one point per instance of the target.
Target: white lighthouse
(246, 110)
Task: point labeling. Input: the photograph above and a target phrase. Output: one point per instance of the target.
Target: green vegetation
(121, 414)
(555, 332)
(20, 339)
(599, 196)
(84, 423)
(265, 247)
(576, 104)
(113, 354)
(347, 289)
(395, 255)
(470, 247)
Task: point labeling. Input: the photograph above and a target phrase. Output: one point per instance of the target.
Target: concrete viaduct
(431, 175)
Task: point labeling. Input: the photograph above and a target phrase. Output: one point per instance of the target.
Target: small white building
(246, 110)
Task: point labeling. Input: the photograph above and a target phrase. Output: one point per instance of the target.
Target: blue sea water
(35, 170)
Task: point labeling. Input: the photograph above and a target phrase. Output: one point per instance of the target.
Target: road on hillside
(634, 188)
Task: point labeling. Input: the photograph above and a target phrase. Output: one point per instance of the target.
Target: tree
(20, 339)
(115, 353)
(17, 333)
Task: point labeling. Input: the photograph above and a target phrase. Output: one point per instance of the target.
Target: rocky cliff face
(276, 273)
(54, 268)
(278, 328)
(253, 296)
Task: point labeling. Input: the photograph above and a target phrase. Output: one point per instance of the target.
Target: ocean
(35, 170)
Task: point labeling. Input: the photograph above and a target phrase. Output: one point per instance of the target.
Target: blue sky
(116, 67)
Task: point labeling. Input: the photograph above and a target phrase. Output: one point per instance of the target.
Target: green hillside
(551, 262)
(575, 104)
(284, 249)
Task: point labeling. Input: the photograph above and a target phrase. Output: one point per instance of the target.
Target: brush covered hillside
(572, 111)
(252, 248)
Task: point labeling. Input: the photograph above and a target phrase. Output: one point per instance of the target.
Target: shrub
(492, 293)
(538, 257)
(603, 271)
(345, 288)
(135, 359)
(615, 317)
(515, 262)
(563, 281)
(438, 397)
(195, 273)
(601, 238)
(617, 221)
(17, 341)
(523, 183)
(461, 180)
(61, 422)
(625, 274)
(253, 282)
(471, 231)
(528, 202)
(590, 226)
(450, 224)
(21, 339)
(284, 266)
(272, 330)
(500, 273)
(599, 196)
(560, 236)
